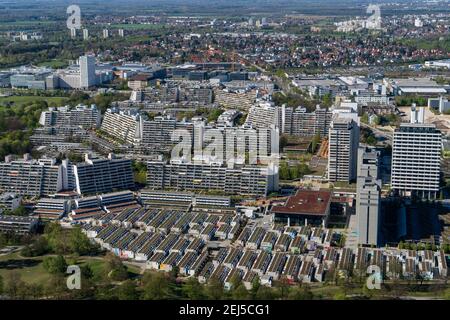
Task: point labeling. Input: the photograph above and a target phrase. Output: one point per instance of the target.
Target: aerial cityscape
(224, 150)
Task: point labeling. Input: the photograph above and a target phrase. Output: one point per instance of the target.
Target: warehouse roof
(306, 202)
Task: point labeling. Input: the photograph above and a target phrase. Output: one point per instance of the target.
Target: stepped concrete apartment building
(122, 124)
(45, 177)
(81, 115)
(299, 122)
(243, 180)
(368, 197)
(30, 177)
(343, 141)
(264, 115)
(18, 225)
(157, 133)
(259, 145)
(416, 159)
(103, 175)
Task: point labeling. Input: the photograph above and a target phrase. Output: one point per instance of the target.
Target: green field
(30, 270)
(18, 100)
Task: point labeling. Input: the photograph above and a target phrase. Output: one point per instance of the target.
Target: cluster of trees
(57, 240)
(421, 246)
(368, 137)
(26, 52)
(315, 142)
(294, 100)
(211, 114)
(103, 100)
(403, 101)
(13, 239)
(293, 172)
(20, 211)
(14, 142)
(365, 119)
(140, 172)
(16, 125)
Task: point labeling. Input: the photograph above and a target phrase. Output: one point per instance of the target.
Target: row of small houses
(314, 265)
(169, 238)
(283, 239)
(164, 252)
(201, 224)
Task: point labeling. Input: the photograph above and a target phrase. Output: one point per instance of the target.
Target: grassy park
(19, 100)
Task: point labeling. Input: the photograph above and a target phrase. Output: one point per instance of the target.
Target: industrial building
(29, 78)
(306, 207)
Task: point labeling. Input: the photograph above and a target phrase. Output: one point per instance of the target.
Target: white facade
(87, 71)
(343, 149)
(416, 159)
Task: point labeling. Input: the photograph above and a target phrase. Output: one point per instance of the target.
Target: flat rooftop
(417, 82)
(306, 202)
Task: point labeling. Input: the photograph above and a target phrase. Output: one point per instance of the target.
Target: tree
(284, 172)
(193, 290)
(33, 290)
(56, 287)
(140, 172)
(256, 284)
(265, 293)
(214, 289)
(86, 271)
(14, 284)
(238, 290)
(156, 286)
(128, 291)
(340, 295)
(38, 248)
(315, 141)
(240, 293)
(283, 141)
(79, 243)
(57, 238)
(114, 268)
(365, 118)
(55, 265)
(283, 288)
(20, 211)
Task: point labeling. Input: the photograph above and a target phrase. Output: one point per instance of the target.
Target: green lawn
(18, 100)
(31, 270)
